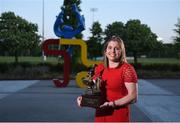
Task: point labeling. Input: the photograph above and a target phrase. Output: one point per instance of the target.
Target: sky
(160, 15)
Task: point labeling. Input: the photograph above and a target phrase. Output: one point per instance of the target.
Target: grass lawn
(157, 60)
(55, 60)
(34, 60)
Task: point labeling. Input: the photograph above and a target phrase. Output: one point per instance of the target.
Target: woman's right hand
(79, 99)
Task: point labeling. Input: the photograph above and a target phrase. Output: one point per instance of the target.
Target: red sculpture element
(63, 53)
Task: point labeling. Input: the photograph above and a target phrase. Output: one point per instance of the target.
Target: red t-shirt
(113, 88)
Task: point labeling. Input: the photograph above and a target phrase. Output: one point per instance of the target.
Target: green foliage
(35, 68)
(70, 17)
(137, 37)
(18, 36)
(177, 39)
(28, 70)
(158, 66)
(177, 30)
(158, 70)
(95, 41)
(116, 28)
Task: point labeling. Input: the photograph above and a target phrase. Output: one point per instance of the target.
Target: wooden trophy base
(92, 101)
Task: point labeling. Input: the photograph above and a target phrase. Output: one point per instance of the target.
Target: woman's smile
(113, 51)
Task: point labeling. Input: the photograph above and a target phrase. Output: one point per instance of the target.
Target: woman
(119, 86)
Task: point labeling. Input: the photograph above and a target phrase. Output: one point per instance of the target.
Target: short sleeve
(129, 74)
(98, 70)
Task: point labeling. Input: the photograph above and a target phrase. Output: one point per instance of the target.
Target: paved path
(40, 101)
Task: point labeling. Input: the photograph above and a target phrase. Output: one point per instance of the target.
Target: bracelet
(114, 104)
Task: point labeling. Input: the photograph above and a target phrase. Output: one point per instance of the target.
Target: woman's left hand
(106, 104)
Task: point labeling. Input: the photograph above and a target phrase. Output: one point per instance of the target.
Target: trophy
(92, 96)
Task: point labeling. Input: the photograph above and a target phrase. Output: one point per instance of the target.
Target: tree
(139, 38)
(159, 51)
(70, 17)
(95, 41)
(177, 39)
(116, 28)
(17, 35)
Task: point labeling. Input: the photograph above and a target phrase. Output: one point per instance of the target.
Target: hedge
(26, 70)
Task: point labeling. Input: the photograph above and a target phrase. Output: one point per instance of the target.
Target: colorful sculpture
(66, 32)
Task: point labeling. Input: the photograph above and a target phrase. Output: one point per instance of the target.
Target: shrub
(26, 70)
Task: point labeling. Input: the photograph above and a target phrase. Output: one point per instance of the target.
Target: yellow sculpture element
(83, 45)
(84, 59)
(79, 78)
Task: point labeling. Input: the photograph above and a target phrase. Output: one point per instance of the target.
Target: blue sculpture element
(67, 31)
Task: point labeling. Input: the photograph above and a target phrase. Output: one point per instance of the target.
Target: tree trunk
(135, 57)
(16, 57)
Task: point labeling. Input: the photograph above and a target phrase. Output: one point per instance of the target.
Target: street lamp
(44, 57)
(43, 20)
(93, 10)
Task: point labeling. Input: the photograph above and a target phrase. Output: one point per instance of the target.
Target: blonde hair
(122, 47)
